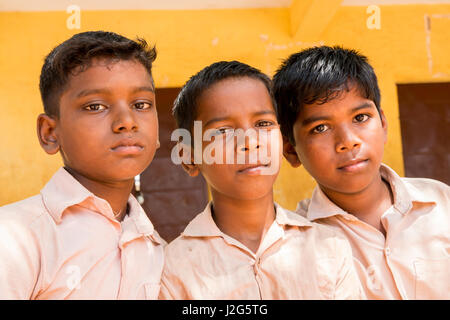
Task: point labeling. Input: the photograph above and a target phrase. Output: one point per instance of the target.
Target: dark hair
(76, 54)
(185, 105)
(318, 75)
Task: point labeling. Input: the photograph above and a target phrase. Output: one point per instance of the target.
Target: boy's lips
(128, 147)
(253, 169)
(353, 165)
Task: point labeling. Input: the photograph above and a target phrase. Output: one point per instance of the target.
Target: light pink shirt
(413, 261)
(66, 244)
(297, 259)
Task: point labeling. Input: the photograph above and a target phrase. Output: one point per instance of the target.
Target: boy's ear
(191, 168)
(384, 125)
(46, 131)
(290, 154)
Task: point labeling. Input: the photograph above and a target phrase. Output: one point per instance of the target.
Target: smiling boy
(85, 236)
(243, 245)
(399, 228)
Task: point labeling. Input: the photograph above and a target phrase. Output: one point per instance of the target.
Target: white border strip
(61, 5)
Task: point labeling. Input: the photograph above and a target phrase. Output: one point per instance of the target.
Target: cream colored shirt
(66, 244)
(413, 261)
(297, 259)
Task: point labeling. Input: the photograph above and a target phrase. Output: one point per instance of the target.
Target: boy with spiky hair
(244, 245)
(399, 228)
(85, 236)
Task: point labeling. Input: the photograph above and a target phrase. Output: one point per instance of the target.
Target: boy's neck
(367, 205)
(244, 220)
(116, 194)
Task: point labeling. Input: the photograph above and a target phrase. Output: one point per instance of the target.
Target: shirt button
(387, 251)
(255, 269)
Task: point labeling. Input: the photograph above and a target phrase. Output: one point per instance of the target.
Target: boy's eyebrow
(362, 106)
(260, 113)
(215, 120)
(145, 88)
(225, 118)
(87, 92)
(310, 120)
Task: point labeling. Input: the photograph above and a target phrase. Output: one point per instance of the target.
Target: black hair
(185, 105)
(76, 54)
(318, 75)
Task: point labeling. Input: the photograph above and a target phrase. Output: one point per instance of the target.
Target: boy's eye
(220, 131)
(361, 117)
(265, 123)
(142, 105)
(95, 107)
(320, 128)
(226, 131)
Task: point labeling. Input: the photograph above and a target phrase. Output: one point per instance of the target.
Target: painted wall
(412, 45)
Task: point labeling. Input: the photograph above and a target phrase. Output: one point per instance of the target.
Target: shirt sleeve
(348, 284)
(19, 260)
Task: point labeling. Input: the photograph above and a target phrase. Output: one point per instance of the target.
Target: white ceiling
(61, 5)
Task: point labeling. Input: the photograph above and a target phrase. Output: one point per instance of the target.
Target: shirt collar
(64, 191)
(402, 197)
(203, 224)
(320, 206)
(136, 224)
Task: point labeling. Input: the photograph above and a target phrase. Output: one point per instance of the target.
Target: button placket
(256, 267)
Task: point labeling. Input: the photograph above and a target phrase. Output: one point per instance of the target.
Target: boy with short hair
(399, 228)
(243, 245)
(85, 236)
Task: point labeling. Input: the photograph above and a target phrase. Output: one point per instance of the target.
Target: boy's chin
(110, 176)
(347, 189)
(250, 193)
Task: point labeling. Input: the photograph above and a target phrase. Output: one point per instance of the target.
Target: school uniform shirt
(66, 244)
(296, 259)
(413, 260)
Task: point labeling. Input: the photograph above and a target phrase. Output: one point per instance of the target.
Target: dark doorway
(171, 197)
(425, 127)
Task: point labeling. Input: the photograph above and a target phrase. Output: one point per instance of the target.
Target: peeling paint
(427, 21)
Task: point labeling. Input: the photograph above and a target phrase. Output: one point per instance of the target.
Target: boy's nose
(247, 143)
(124, 120)
(347, 140)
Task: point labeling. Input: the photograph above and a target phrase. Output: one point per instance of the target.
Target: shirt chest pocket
(432, 278)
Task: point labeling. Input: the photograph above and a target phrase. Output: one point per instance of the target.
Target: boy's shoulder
(425, 189)
(193, 238)
(326, 239)
(24, 212)
(24, 225)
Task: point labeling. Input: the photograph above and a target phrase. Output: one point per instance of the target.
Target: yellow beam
(309, 18)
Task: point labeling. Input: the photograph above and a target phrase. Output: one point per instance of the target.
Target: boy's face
(107, 129)
(340, 143)
(240, 103)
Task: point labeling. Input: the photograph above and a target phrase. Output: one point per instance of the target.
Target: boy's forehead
(234, 96)
(100, 73)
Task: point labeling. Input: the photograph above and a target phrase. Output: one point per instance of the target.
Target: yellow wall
(189, 40)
